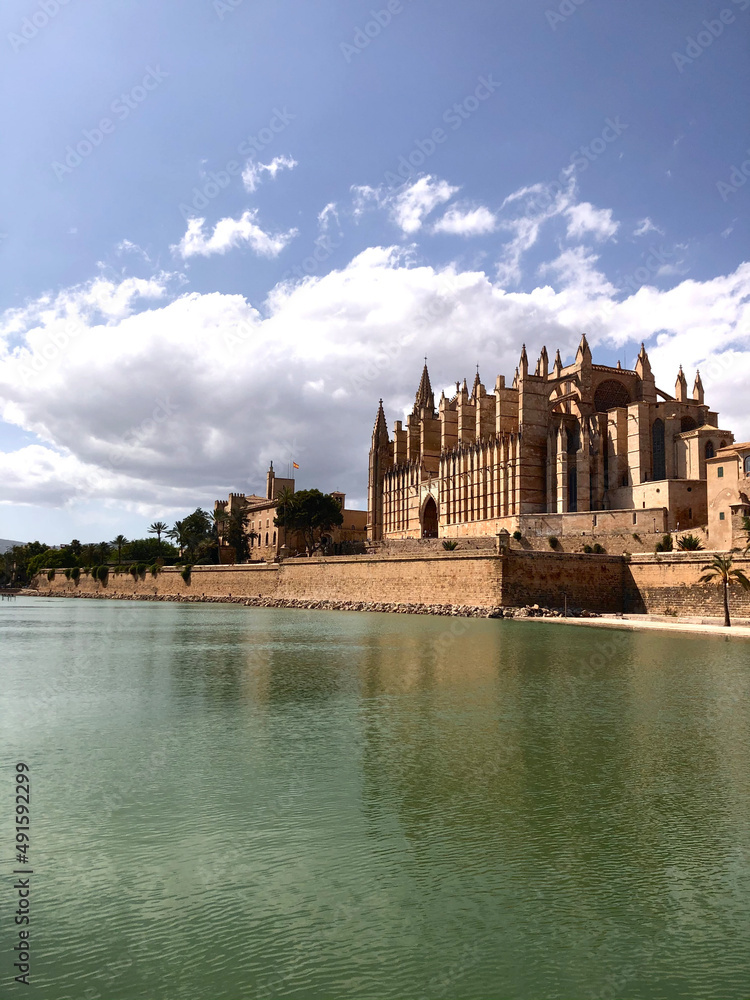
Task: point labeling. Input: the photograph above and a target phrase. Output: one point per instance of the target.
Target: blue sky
(375, 183)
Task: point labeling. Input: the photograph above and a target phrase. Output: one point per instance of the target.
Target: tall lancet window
(659, 451)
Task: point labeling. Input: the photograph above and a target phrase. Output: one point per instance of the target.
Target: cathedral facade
(563, 440)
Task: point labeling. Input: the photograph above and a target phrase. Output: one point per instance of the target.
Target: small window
(274, 538)
(266, 538)
(721, 515)
(720, 472)
(635, 519)
(690, 513)
(747, 465)
(710, 450)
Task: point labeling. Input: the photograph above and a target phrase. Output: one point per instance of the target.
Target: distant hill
(6, 543)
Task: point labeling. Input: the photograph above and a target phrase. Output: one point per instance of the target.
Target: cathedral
(569, 440)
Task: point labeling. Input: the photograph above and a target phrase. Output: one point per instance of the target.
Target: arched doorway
(430, 519)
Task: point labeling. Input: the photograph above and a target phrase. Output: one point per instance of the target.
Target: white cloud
(231, 233)
(161, 398)
(583, 218)
(408, 206)
(327, 215)
(473, 222)
(252, 175)
(646, 226)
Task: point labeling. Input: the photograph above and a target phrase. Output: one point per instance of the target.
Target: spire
(380, 431)
(680, 387)
(544, 363)
(583, 355)
(477, 383)
(424, 397)
(523, 364)
(558, 364)
(698, 388)
(643, 365)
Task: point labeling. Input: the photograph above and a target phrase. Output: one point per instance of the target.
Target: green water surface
(231, 802)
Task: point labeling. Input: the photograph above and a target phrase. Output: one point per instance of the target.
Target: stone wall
(606, 583)
(593, 582)
(668, 583)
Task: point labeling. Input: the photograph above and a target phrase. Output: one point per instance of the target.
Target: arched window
(266, 538)
(747, 465)
(609, 394)
(687, 424)
(274, 538)
(658, 449)
(710, 450)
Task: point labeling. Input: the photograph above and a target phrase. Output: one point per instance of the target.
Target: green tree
(158, 528)
(722, 572)
(195, 536)
(232, 528)
(102, 552)
(309, 512)
(119, 542)
(689, 543)
(75, 548)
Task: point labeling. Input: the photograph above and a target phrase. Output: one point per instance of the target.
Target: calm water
(233, 803)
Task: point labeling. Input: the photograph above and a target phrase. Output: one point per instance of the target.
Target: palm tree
(177, 534)
(119, 542)
(689, 543)
(158, 528)
(724, 574)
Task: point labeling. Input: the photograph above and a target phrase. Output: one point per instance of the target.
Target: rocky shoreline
(445, 610)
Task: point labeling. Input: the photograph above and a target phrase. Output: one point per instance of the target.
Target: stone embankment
(445, 610)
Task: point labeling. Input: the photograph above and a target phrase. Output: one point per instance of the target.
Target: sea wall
(669, 583)
(660, 584)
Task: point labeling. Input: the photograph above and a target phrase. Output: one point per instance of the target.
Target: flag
(294, 465)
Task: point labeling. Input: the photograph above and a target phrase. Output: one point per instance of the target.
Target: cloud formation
(252, 175)
(230, 233)
(140, 392)
(473, 222)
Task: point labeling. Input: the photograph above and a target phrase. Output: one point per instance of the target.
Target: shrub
(553, 541)
(142, 567)
(75, 574)
(689, 543)
(665, 545)
(449, 545)
(185, 574)
(636, 536)
(587, 549)
(102, 573)
(154, 569)
(93, 570)
(599, 549)
(133, 570)
(50, 574)
(517, 535)
(67, 573)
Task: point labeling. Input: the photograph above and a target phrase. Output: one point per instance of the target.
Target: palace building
(568, 440)
(267, 542)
